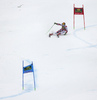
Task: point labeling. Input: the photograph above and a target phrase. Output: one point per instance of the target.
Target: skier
(63, 30)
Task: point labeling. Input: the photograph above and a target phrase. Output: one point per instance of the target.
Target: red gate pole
(83, 17)
(73, 17)
(84, 21)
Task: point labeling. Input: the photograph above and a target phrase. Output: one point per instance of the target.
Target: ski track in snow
(75, 35)
(15, 95)
(27, 90)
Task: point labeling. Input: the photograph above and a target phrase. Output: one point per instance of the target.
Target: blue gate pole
(34, 78)
(22, 75)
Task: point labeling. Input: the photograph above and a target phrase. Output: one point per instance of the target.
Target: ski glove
(55, 23)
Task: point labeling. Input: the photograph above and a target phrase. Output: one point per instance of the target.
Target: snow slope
(65, 67)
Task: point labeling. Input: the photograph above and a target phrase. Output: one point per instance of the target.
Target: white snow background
(65, 67)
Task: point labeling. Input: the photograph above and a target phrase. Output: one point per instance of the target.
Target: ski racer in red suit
(63, 30)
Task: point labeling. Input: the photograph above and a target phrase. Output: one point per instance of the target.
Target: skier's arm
(61, 25)
(58, 24)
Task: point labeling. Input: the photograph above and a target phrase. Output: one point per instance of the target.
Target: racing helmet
(63, 23)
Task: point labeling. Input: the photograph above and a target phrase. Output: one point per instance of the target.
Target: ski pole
(50, 28)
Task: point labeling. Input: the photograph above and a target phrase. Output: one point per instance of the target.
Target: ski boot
(65, 33)
(50, 34)
(58, 35)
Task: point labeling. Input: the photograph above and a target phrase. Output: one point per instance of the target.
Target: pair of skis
(51, 34)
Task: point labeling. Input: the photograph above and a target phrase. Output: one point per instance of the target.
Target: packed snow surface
(65, 67)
